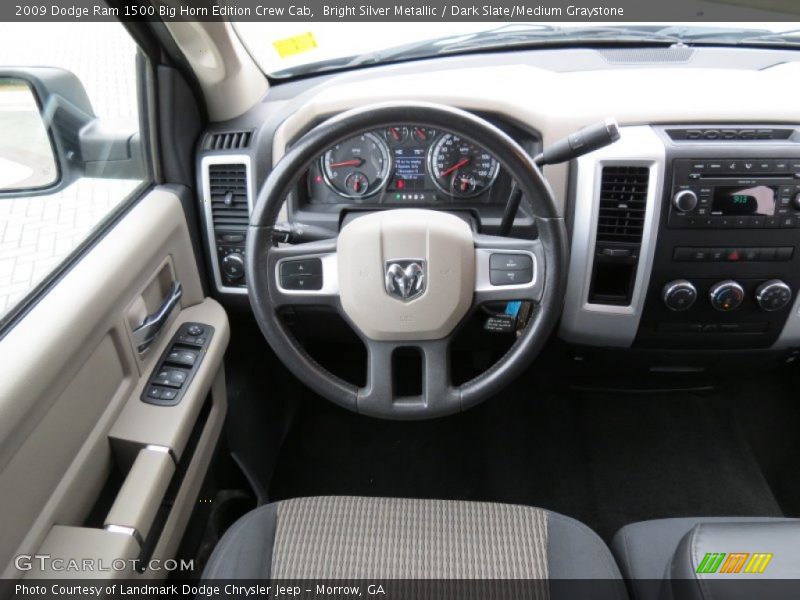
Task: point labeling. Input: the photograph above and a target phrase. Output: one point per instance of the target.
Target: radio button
(715, 166)
(757, 221)
(764, 165)
(787, 221)
(782, 165)
(722, 222)
(685, 201)
(700, 254)
(741, 221)
(773, 222)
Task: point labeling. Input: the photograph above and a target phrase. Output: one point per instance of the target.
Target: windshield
(292, 48)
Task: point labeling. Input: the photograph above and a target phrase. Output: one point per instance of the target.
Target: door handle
(150, 327)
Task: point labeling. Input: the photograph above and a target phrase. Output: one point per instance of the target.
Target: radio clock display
(756, 200)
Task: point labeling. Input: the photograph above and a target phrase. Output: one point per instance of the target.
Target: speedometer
(357, 167)
(461, 168)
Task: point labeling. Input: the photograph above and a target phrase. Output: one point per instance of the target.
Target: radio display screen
(755, 200)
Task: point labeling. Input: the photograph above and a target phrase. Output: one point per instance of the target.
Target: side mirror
(50, 135)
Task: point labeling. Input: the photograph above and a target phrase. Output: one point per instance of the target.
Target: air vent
(620, 225)
(725, 134)
(228, 194)
(623, 195)
(229, 140)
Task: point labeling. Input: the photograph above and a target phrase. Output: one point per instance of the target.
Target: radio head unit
(735, 193)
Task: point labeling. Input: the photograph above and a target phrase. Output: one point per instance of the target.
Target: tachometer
(461, 168)
(357, 167)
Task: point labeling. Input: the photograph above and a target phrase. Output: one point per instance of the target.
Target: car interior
(502, 313)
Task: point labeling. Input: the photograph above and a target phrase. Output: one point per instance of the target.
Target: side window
(70, 150)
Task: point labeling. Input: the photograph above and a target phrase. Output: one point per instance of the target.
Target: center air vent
(229, 140)
(228, 195)
(620, 225)
(623, 195)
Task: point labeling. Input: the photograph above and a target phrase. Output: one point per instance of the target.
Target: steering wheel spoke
(508, 269)
(383, 394)
(303, 274)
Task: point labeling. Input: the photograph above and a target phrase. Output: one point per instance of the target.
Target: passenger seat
(664, 559)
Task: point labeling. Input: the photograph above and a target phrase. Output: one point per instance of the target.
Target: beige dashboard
(557, 103)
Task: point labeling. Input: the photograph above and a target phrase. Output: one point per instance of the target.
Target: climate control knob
(773, 295)
(679, 295)
(685, 201)
(233, 265)
(726, 295)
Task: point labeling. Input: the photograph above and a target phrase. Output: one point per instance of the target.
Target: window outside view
(38, 233)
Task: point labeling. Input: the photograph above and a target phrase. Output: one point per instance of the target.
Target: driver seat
(343, 537)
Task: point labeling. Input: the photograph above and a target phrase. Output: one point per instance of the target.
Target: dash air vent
(623, 194)
(229, 140)
(228, 195)
(620, 225)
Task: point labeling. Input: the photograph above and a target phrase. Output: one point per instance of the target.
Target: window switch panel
(177, 365)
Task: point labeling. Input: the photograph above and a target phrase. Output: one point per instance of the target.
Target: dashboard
(684, 234)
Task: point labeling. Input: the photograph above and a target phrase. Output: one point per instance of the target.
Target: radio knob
(726, 295)
(679, 295)
(773, 295)
(233, 265)
(796, 201)
(685, 201)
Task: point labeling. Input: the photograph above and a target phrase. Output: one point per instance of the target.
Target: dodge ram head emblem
(405, 279)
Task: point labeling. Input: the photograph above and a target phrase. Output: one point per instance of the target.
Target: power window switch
(154, 393)
(169, 394)
(185, 358)
(170, 378)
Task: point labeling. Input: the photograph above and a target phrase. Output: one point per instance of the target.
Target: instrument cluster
(403, 163)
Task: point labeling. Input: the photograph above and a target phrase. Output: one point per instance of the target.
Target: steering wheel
(406, 278)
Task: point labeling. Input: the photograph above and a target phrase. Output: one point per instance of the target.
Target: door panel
(71, 374)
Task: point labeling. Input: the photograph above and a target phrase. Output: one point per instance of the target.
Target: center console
(709, 235)
(724, 273)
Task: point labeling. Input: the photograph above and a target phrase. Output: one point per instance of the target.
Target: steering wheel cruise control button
(510, 269)
(510, 262)
(503, 277)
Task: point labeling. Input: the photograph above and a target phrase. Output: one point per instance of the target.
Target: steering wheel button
(510, 262)
(307, 266)
(301, 282)
(517, 277)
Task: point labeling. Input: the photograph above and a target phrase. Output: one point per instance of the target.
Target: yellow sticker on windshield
(295, 45)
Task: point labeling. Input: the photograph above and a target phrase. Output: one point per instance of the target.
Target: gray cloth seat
(345, 537)
(651, 552)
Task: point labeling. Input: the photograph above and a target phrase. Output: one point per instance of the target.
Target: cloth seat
(340, 537)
